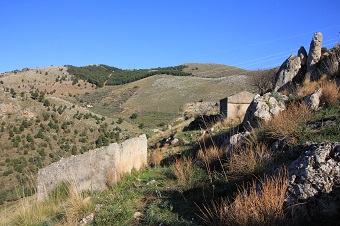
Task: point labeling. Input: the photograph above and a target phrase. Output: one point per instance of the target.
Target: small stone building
(236, 105)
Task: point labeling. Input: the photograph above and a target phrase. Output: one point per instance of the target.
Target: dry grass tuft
(210, 154)
(249, 160)
(77, 206)
(183, 170)
(69, 206)
(330, 92)
(259, 205)
(307, 88)
(287, 124)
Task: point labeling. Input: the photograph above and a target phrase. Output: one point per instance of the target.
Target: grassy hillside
(48, 113)
(212, 70)
(201, 186)
(101, 75)
(39, 126)
(164, 93)
(192, 182)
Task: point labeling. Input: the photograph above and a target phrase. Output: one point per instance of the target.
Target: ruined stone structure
(96, 169)
(201, 107)
(236, 106)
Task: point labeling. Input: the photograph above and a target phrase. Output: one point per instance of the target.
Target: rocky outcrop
(294, 69)
(287, 72)
(329, 64)
(263, 108)
(314, 189)
(314, 54)
(302, 54)
(291, 70)
(313, 100)
(238, 138)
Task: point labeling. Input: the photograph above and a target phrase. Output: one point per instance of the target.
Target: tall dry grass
(261, 204)
(287, 124)
(76, 207)
(330, 90)
(65, 206)
(307, 88)
(210, 154)
(249, 160)
(183, 169)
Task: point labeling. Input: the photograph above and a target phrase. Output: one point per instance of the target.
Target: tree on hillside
(262, 80)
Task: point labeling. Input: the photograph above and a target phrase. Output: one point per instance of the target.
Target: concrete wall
(235, 106)
(244, 97)
(96, 169)
(237, 111)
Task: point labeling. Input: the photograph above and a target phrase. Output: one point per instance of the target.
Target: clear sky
(134, 34)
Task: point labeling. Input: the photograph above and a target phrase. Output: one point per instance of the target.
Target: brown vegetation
(249, 160)
(261, 204)
(262, 80)
(183, 170)
(287, 124)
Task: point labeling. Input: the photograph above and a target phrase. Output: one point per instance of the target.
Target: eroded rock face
(302, 54)
(314, 189)
(238, 138)
(314, 54)
(263, 108)
(313, 100)
(287, 72)
(294, 69)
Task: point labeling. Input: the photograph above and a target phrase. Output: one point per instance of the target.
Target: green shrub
(8, 172)
(120, 120)
(134, 116)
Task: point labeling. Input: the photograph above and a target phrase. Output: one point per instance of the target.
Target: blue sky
(134, 34)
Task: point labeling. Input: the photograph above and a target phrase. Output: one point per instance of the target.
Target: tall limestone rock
(302, 54)
(287, 72)
(297, 68)
(314, 54)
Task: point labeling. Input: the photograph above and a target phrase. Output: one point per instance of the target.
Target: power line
(161, 94)
(265, 42)
(239, 64)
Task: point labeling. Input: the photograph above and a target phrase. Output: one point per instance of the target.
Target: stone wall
(96, 169)
(203, 107)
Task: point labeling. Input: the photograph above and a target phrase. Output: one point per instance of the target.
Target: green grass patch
(150, 192)
(156, 119)
(323, 127)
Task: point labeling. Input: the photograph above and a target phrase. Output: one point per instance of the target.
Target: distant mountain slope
(39, 125)
(210, 70)
(165, 93)
(101, 74)
(48, 113)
